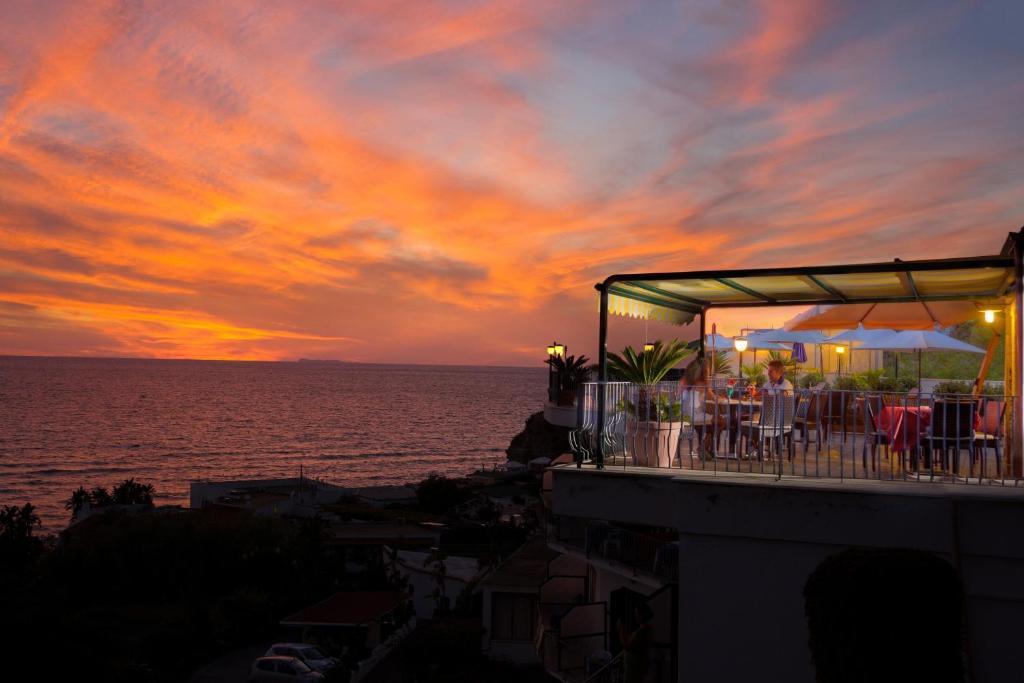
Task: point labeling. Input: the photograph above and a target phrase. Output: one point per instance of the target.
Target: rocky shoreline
(539, 439)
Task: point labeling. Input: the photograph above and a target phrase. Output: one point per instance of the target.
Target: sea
(69, 422)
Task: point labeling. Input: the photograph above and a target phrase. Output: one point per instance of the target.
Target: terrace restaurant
(828, 430)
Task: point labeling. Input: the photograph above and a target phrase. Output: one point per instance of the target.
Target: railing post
(602, 376)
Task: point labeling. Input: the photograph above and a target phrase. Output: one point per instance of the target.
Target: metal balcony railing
(843, 434)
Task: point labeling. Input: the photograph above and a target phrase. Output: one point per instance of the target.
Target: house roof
(347, 609)
(526, 567)
(678, 297)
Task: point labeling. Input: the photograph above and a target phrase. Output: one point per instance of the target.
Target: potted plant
(654, 421)
(572, 372)
(754, 374)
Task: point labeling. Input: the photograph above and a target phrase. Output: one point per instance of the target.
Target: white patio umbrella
(919, 340)
(857, 337)
(790, 336)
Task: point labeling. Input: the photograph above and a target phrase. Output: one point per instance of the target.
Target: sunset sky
(446, 181)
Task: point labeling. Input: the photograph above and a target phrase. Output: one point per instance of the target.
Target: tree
(17, 542)
(131, 492)
(438, 493)
(78, 499)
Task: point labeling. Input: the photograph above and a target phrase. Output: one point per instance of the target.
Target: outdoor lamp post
(555, 350)
(740, 344)
(648, 346)
(840, 350)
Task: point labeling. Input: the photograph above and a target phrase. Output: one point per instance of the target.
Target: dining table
(904, 425)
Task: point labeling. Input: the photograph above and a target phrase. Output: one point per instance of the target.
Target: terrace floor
(839, 460)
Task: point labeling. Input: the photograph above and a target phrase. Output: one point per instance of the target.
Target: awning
(980, 281)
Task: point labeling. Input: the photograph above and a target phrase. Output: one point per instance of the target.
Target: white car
(282, 669)
(308, 654)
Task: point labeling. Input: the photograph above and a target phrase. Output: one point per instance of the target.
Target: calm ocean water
(67, 422)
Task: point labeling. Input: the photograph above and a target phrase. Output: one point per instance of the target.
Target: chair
(773, 424)
(805, 418)
(989, 433)
(951, 429)
(874, 436)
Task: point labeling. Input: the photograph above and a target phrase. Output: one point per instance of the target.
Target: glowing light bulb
(740, 343)
(990, 316)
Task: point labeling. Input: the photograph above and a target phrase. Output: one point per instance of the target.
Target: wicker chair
(773, 424)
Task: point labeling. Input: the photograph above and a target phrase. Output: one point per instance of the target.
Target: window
(513, 616)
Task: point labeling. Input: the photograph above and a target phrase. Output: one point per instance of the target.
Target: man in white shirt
(777, 381)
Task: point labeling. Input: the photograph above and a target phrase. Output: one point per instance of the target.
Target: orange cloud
(445, 182)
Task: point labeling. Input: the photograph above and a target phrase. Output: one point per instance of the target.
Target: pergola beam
(746, 290)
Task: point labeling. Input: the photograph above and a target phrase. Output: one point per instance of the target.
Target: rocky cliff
(538, 439)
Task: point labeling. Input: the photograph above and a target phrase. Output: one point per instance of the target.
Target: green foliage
(754, 374)
(850, 383)
(659, 408)
(953, 364)
(647, 367)
(438, 493)
(720, 362)
(953, 387)
(810, 379)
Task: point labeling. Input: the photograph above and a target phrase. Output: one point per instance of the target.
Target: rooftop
(347, 609)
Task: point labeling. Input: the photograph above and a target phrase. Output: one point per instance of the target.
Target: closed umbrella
(799, 352)
(920, 340)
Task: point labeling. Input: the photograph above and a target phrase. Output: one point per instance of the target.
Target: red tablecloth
(904, 425)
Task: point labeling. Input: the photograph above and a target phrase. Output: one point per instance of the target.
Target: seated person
(777, 381)
(699, 403)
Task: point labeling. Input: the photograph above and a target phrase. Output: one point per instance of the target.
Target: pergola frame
(1010, 294)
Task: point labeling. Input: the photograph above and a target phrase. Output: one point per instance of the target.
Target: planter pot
(653, 444)
(567, 397)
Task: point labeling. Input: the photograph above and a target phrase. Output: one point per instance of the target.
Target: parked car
(309, 654)
(282, 669)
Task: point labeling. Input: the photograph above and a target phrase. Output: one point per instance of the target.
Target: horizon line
(244, 360)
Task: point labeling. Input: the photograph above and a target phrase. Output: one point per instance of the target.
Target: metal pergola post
(602, 377)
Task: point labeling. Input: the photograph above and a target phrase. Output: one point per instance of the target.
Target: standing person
(636, 646)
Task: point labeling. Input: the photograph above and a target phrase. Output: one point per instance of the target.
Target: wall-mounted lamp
(990, 315)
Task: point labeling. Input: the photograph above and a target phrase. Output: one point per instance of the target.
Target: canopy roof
(678, 297)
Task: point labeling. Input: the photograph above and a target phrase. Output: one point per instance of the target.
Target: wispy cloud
(440, 181)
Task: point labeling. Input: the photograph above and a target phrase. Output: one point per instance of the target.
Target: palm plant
(77, 501)
(754, 374)
(647, 368)
(572, 371)
(131, 492)
(720, 363)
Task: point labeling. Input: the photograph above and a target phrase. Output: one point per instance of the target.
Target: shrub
(953, 387)
(809, 379)
(850, 383)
